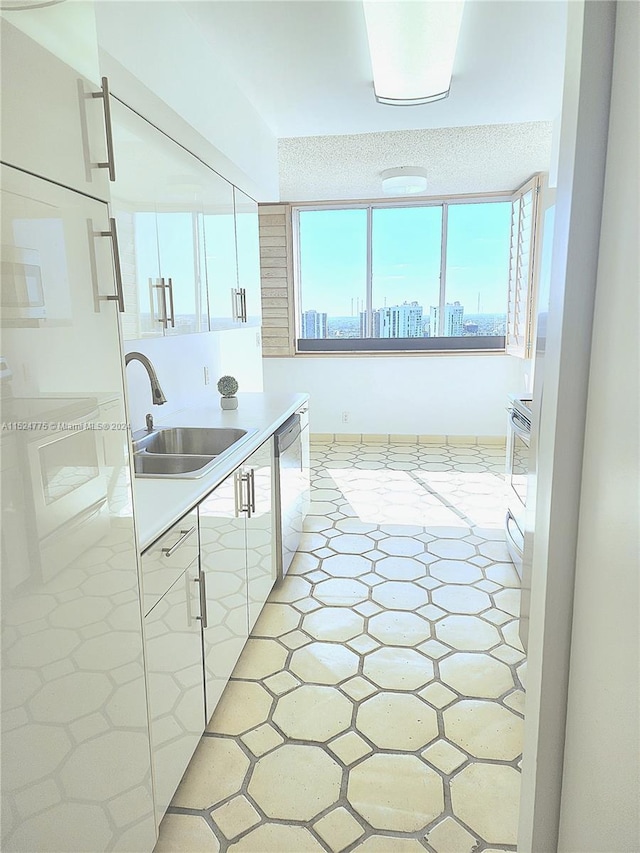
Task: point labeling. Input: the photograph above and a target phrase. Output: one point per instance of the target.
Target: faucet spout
(157, 394)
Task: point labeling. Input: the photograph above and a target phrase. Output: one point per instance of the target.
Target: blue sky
(405, 257)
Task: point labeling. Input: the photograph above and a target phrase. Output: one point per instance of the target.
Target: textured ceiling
(479, 159)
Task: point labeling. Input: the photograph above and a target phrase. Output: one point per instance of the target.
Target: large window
(403, 276)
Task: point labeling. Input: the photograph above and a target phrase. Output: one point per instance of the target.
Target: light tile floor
(378, 705)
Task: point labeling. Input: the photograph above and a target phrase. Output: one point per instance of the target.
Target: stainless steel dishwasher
(291, 487)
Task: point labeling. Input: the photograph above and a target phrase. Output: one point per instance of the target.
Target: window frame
(391, 346)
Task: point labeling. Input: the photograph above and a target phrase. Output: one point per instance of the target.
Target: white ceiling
(304, 64)
(305, 67)
(479, 159)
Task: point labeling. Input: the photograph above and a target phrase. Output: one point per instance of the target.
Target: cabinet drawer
(168, 557)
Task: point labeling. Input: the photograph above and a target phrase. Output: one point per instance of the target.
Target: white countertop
(160, 502)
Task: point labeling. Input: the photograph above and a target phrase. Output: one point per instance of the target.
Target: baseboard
(392, 438)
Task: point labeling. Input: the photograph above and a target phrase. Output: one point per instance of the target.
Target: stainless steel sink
(150, 465)
(206, 441)
(183, 452)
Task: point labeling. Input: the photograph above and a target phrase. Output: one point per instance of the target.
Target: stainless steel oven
(517, 473)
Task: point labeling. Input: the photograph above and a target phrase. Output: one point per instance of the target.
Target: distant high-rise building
(453, 320)
(314, 324)
(375, 323)
(401, 321)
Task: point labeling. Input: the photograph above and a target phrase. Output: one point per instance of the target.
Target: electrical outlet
(345, 417)
(206, 375)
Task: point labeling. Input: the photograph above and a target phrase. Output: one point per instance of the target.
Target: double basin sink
(184, 452)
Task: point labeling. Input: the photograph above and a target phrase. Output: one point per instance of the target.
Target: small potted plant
(228, 387)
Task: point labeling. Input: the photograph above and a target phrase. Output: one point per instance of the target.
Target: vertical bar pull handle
(243, 305)
(112, 233)
(110, 163)
(237, 304)
(171, 319)
(237, 494)
(245, 506)
(252, 490)
(201, 581)
(161, 287)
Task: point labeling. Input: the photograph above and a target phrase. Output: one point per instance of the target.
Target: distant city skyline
(406, 257)
(403, 321)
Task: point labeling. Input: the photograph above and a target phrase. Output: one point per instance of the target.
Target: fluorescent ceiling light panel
(413, 46)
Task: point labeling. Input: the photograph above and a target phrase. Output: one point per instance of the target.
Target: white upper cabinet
(157, 203)
(49, 58)
(248, 250)
(188, 240)
(220, 254)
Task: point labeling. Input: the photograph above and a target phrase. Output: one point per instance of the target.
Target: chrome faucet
(156, 391)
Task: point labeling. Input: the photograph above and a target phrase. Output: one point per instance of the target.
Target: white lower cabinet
(205, 582)
(173, 654)
(259, 529)
(223, 566)
(236, 562)
(174, 679)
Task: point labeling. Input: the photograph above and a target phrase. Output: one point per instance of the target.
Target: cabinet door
(248, 248)
(220, 254)
(223, 565)
(73, 693)
(51, 123)
(167, 558)
(174, 678)
(178, 242)
(133, 203)
(261, 573)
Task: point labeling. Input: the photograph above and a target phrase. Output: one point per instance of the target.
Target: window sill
(393, 353)
(401, 346)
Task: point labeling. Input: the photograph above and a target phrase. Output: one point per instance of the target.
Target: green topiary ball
(227, 386)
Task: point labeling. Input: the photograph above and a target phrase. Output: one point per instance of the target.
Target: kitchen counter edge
(160, 503)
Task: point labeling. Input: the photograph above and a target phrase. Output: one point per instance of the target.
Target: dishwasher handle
(288, 433)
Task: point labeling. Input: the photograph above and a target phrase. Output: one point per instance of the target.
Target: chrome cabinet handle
(169, 552)
(237, 494)
(509, 521)
(243, 305)
(252, 491)
(172, 319)
(236, 296)
(241, 504)
(524, 434)
(246, 507)
(202, 583)
(110, 163)
(152, 307)
(112, 233)
(161, 288)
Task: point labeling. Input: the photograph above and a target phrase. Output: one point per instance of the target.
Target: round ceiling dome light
(404, 180)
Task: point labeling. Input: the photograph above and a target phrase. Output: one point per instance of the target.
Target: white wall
(430, 395)
(558, 427)
(158, 45)
(179, 363)
(600, 792)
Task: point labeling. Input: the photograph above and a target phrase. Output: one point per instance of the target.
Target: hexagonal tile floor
(378, 705)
